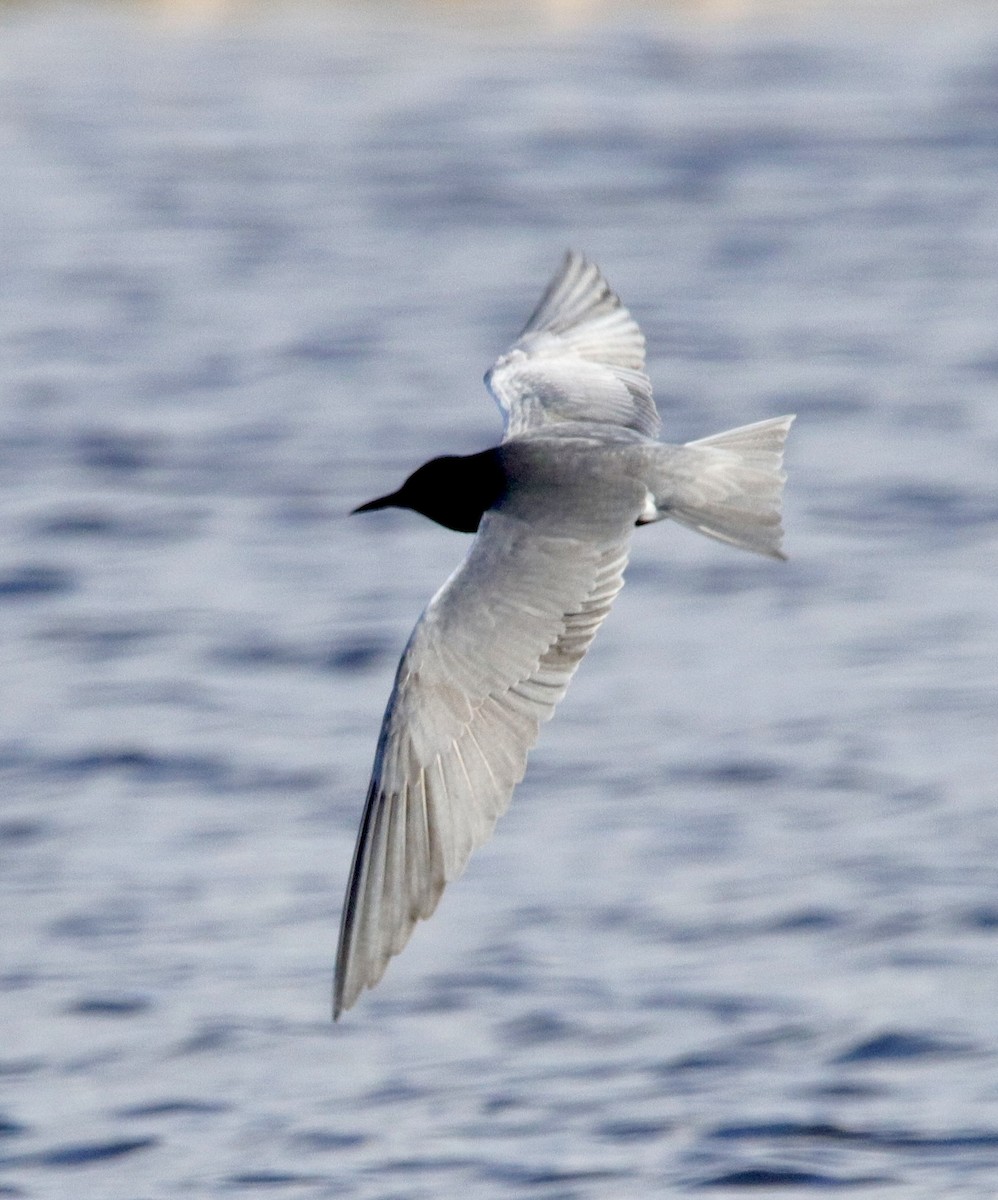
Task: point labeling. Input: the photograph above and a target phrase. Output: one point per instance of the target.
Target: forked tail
(730, 486)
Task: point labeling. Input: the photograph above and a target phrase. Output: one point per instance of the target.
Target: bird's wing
(580, 357)
(487, 662)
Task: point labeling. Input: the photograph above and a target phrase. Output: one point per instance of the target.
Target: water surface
(738, 931)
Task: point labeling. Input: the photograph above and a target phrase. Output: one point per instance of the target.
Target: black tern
(553, 508)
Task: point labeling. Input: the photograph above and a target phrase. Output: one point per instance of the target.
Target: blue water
(738, 932)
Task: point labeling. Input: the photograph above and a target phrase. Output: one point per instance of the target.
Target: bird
(553, 508)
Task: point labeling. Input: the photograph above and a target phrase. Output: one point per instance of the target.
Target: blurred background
(738, 931)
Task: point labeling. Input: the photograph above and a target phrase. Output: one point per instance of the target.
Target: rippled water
(738, 931)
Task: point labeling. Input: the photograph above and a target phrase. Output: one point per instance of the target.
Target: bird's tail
(730, 486)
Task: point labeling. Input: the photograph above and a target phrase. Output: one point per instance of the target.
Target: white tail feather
(729, 486)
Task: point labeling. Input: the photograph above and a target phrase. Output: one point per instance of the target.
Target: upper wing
(487, 662)
(580, 357)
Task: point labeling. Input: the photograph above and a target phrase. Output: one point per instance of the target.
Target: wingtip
(341, 1002)
(574, 264)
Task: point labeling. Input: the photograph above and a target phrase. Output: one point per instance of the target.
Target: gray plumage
(555, 505)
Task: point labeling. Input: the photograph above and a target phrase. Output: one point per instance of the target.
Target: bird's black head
(453, 491)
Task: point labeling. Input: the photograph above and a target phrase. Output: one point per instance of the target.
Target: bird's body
(554, 507)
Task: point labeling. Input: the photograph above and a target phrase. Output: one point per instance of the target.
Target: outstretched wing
(487, 662)
(580, 357)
